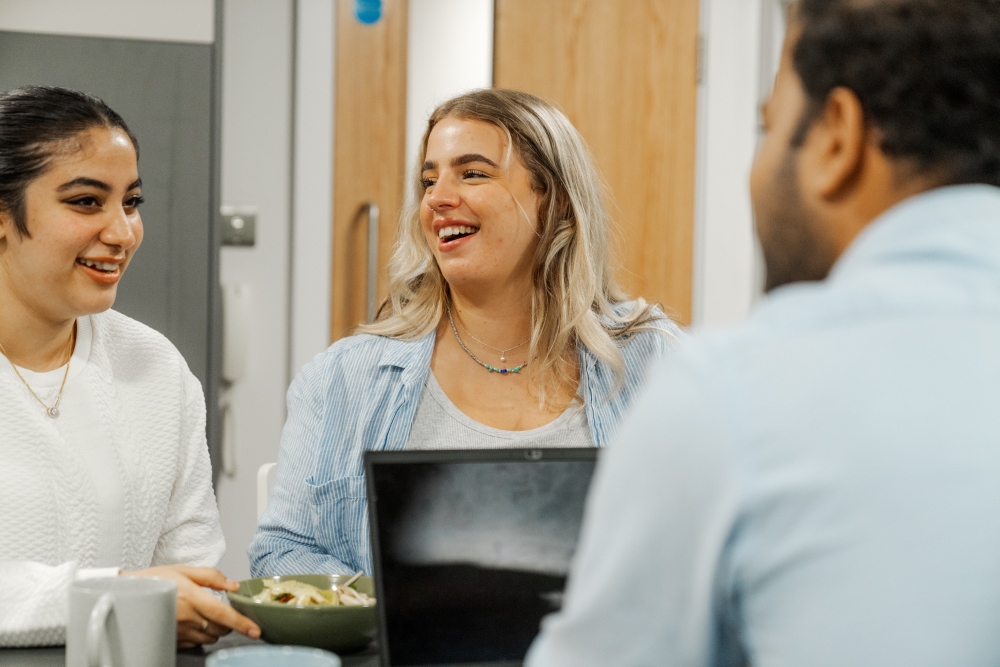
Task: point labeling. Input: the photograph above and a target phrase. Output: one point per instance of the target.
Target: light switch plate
(238, 225)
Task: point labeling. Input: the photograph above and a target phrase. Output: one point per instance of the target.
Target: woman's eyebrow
(83, 180)
(460, 160)
(472, 157)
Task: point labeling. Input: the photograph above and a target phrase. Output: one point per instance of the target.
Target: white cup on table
(122, 622)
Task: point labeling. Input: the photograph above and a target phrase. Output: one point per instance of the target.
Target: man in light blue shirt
(821, 485)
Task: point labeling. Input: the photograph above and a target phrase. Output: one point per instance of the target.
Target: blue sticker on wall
(368, 11)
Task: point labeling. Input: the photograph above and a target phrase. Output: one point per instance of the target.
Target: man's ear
(834, 149)
(7, 227)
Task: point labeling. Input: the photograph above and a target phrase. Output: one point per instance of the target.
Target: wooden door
(625, 72)
(369, 152)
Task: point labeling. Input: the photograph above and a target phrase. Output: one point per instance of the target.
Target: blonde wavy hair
(575, 292)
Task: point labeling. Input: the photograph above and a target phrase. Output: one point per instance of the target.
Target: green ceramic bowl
(337, 629)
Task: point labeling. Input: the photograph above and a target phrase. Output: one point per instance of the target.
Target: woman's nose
(443, 195)
(120, 230)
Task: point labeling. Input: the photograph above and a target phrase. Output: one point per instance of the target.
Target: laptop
(471, 549)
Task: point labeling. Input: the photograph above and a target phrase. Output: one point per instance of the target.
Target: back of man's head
(927, 73)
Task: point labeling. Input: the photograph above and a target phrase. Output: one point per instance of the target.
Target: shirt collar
(413, 357)
(956, 223)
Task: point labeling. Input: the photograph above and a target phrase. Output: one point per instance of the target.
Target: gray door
(164, 91)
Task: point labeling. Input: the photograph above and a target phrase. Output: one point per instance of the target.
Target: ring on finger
(204, 625)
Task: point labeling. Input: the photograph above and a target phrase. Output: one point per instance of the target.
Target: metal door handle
(370, 209)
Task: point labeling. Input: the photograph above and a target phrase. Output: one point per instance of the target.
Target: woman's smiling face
(83, 224)
(479, 212)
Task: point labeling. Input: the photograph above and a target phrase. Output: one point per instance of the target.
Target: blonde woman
(504, 327)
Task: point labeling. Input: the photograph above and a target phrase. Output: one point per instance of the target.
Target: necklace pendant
(52, 412)
(503, 358)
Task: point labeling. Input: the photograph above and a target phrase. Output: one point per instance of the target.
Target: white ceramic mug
(122, 622)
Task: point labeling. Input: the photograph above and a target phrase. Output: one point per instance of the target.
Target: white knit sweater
(154, 409)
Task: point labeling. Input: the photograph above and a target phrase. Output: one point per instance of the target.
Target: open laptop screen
(471, 548)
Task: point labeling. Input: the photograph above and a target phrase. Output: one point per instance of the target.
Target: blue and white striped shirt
(362, 394)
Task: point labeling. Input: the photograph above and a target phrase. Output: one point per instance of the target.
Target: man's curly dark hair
(927, 73)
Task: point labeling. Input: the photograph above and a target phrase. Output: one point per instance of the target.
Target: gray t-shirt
(438, 424)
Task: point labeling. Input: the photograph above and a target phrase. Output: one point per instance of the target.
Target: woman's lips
(452, 233)
(100, 276)
(444, 245)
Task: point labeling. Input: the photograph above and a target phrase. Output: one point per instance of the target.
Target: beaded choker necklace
(491, 369)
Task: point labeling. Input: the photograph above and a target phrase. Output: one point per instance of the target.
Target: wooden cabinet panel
(369, 151)
(625, 72)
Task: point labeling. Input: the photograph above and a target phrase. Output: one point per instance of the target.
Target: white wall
(256, 171)
(438, 69)
(312, 227)
(174, 21)
(726, 277)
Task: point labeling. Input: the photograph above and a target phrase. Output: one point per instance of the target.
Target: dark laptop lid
(471, 548)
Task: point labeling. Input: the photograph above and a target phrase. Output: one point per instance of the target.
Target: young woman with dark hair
(104, 467)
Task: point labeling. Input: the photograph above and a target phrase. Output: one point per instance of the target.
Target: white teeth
(454, 231)
(102, 266)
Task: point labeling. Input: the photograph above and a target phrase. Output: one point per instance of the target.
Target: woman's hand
(201, 618)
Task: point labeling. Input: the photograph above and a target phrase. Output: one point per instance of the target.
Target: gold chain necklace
(53, 410)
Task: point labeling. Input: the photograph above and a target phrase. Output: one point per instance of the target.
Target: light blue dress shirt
(362, 394)
(819, 486)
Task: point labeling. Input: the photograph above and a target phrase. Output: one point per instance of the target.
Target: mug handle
(97, 631)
